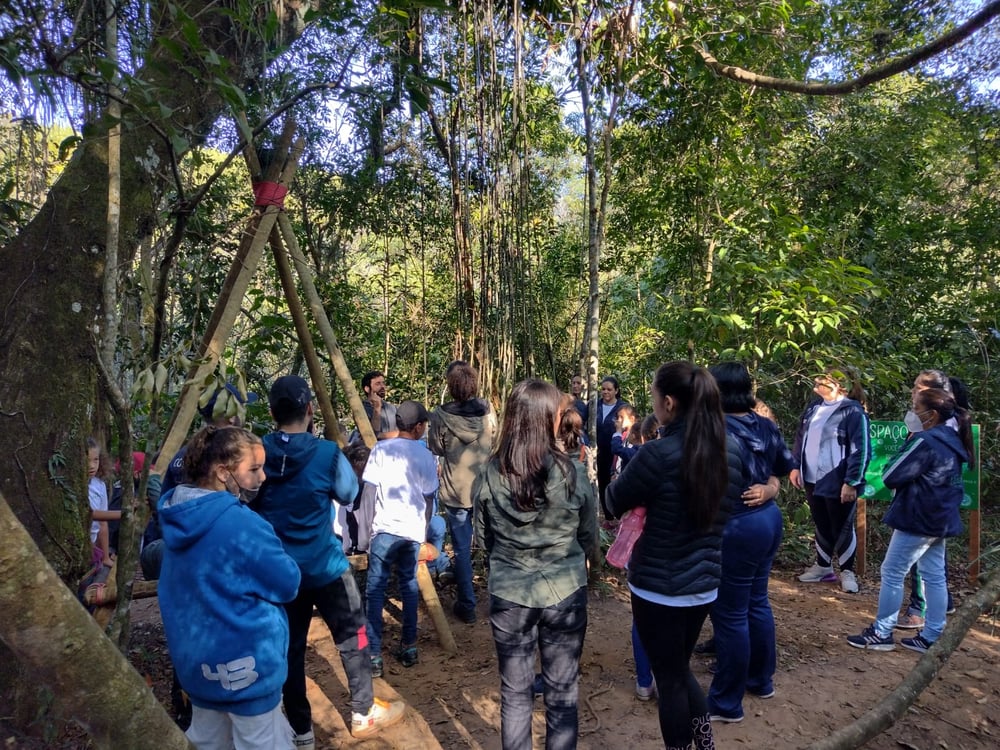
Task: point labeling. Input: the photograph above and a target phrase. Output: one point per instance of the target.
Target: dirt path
(821, 685)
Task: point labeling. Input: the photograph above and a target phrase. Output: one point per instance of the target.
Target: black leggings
(669, 635)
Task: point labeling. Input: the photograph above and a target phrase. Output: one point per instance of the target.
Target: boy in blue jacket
(304, 475)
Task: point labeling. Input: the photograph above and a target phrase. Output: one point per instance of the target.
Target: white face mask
(913, 421)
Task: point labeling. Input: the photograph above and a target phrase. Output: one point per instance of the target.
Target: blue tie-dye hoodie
(225, 577)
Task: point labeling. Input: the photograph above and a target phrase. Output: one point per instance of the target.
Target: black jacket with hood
(673, 557)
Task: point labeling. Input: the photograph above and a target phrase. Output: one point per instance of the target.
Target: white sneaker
(848, 581)
(304, 741)
(645, 693)
(382, 714)
(818, 573)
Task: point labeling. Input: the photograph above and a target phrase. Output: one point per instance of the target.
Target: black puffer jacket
(672, 557)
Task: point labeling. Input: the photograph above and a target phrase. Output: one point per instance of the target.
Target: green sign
(886, 439)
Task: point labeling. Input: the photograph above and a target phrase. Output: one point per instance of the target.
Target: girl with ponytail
(687, 481)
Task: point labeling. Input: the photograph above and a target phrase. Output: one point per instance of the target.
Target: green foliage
(791, 233)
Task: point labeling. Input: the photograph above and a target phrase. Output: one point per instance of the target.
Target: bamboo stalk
(227, 308)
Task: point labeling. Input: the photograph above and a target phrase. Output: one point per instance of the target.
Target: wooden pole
(429, 594)
(861, 521)
(331, 425)
(326, 330)
(227, 308)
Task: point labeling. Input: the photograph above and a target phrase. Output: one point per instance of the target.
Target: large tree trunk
(51, 315)
(63, 649)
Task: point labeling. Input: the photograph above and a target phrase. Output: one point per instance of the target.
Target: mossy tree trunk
(62, 647)
(51, 315)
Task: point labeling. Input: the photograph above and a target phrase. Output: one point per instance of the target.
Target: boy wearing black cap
(304, 474)
(404, 474)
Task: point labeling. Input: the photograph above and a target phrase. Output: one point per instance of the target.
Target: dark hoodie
(224, 579)
(763, 451)
(462, 433)
(304, 475)
(926, 476)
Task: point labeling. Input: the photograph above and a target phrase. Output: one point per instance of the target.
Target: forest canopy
(541, 189)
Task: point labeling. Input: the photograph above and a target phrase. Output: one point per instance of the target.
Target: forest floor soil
(822, 684)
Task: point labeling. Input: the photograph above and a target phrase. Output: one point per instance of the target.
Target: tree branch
(894, 705)
(917, 56)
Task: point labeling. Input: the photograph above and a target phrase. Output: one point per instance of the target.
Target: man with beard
(381, 413)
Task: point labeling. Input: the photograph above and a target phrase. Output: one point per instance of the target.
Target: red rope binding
(269, 194)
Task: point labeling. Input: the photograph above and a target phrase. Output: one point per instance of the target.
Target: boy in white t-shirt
(404, 475)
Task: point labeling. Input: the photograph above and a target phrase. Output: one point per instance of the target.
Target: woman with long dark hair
(535, 517)
(687, 480)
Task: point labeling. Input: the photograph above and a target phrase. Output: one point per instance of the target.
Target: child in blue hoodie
(224, 579)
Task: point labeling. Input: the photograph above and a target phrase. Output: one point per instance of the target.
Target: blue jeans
(917, 606)
(557, 632)
(460, 527)
(741, 616)
(385, 552)
(904, 550)
(435, 535)
(643, 672)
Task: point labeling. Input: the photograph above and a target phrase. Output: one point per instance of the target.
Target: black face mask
(245, 495)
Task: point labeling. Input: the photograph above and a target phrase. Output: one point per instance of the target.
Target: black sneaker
(377, 669)
(916, 643)
(407, 655)
(871, 640)
(465, 615)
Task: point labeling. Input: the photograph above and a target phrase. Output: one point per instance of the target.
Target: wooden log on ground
(143, 589)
